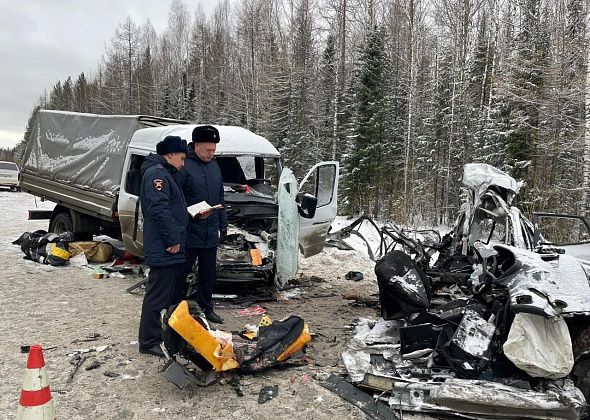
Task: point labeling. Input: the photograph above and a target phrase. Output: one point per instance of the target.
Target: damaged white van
(89, 165)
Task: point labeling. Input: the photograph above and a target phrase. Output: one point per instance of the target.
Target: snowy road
(58, 307)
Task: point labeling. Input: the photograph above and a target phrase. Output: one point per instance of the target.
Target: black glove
(222, 234)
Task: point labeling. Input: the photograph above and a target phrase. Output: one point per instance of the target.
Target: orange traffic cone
(35, 397)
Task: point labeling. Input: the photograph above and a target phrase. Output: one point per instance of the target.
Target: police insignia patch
(158, 184)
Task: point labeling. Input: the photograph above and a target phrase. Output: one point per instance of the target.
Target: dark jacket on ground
(202, 181)
(165, 218)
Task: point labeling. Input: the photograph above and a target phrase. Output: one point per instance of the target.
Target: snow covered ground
(66, 310)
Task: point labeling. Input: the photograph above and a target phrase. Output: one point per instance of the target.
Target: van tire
(61, 222)
(84, 226)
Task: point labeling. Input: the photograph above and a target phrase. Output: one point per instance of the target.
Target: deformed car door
(567, 231)
(288, 226)
(321, 182)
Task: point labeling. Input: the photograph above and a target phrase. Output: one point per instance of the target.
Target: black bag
(35, 247)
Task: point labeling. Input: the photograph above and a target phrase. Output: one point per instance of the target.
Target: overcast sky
(44, 41)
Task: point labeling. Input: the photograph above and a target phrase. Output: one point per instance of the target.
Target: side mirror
(307, 204)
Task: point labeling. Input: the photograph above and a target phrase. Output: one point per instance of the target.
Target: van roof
(234, 141)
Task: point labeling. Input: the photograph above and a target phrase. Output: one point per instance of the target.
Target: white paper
(201, 207)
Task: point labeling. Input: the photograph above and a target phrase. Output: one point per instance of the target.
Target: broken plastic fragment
(268, 393)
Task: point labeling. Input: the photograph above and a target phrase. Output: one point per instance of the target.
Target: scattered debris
(267, 393)
(122, 269)
(290, 294)
(362, 300)
(27, 348)
(187, 334)
(45, 248)
(110, 374)
(217, 296)
(374, 409)
(253, 310)
(354, 276)
(180, 375)
(97, 349)
(77, 361)
(236, 385)
(99, 273)
(79, 260)
(94, 365)
(93, 337)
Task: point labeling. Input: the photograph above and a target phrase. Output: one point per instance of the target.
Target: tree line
(7, 155)
(402, 92)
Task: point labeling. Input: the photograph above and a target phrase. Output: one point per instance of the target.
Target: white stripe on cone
(41, 412)
(35, 379)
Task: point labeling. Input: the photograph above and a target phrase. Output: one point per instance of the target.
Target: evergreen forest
(402, 92)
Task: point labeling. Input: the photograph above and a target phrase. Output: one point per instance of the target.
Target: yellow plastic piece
(59, 252)
(301, 341)
(251, 335)
(265, 321)
(218, 352)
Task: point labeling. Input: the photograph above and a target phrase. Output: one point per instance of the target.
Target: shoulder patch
(158, 184)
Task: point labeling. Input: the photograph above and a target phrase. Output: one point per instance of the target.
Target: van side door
(130, 215)
(322, 182)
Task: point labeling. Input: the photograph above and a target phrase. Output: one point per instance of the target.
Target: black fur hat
(205, 134)
(171, 144)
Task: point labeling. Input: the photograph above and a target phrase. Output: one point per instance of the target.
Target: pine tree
(364, 164)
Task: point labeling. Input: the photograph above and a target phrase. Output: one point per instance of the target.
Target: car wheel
(62, 222)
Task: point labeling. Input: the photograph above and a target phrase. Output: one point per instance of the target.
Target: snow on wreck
(485, 323)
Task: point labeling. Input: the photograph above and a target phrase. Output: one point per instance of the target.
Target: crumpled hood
(548, 288)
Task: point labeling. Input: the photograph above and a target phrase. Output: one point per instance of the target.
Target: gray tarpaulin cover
(83, 150)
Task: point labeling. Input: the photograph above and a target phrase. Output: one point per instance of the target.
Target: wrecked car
(493, 320)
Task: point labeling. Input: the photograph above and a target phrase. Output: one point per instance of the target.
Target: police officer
(201, 180)
(164, 237)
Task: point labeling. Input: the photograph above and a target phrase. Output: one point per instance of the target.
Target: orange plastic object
(219, 353)
(301, 341)
(256, 257)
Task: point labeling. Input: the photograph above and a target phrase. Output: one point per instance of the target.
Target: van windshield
(249, 170)
(8, 165)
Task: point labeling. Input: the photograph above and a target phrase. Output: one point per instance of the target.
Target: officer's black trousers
(164, 288)
(207, 273)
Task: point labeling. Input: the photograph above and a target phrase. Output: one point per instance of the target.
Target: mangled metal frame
(514, 271)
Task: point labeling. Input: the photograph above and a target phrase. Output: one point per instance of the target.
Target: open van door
(130, 215)
(288, 225)
(321, 182)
